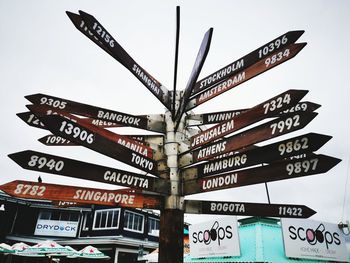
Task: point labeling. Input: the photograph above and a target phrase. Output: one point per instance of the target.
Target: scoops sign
(214, 238)
(313, 240)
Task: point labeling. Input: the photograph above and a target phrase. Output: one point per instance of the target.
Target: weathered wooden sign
(247, 209)
(47, 163)
(83, 195)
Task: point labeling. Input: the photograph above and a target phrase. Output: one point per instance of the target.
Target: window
(153, 226)
(133, 221)
(59, 216)
(106, 219)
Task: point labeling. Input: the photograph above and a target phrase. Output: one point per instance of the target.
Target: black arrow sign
(283, 149)
(247, 61)
(79, 134)
(254, 70)
(247, 209)
(268, 130)
(262, 111)
(46, 163)
(287, 169)
(201, 56)
(220, 116)
(158, 90)
(140, 121)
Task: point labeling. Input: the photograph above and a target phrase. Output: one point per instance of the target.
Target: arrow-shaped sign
(283, 149)
(248, 60)
(46, 163)
(201, 56)
(82, 135)
(220, 116)
(261, 66)
(54, 192)
(116, 50)
(123, 119)
(287, 169)
(42, 110)
(268, 130)
(262, 111)
(247, 209)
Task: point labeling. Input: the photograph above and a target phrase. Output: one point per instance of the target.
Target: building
(121, 233)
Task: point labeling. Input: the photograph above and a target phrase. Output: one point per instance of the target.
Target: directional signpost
(180, 159)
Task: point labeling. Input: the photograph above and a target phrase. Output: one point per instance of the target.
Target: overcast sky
(42, 52)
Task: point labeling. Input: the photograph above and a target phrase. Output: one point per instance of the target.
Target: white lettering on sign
(101, 196)
(227, 207)
(35, 121)
(210, 150)
(146, 79)
(218, 117)
(290, 211)
(111, 116)
(54, 139)
(213, 133)
(277, 103)
(103, 34)
(28, 189)
(144, 163)
(223, 86)
(272, 46)
(233, 162)
(285, 124)
(43, 162)
(76, 132)
(133, 146)
(217, 182)
(217, 76)
(56, 103)
(125, 179)
(295, 145)
(277, 57)
(101, 123)
(302, 166)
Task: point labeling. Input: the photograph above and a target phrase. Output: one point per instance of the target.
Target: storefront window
(106, 219)
(133, 221)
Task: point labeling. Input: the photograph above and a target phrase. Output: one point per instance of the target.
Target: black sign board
(201, 56)
(264, 110)
(248, 60)
(254, 70)
(273, 152)
(52, 164)
(125, 59)
(287, 169)
(247, 209)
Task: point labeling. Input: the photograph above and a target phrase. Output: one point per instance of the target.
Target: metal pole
(172, 216)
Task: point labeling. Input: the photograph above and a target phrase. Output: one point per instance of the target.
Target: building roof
(260, 241)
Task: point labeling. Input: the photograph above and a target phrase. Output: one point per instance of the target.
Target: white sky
(42, 52)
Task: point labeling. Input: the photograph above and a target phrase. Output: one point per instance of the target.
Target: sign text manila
(123, 198)
(272, 129)
(310, 239)
(90, 25)
(136, 146)
(217, 238)
(247, 209)
(41, 162)
(272, 152)
(264, 110)
(287, 169)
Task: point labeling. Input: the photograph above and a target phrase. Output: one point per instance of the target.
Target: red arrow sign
(43, 191)
(287, 169)
(247, 209)
(264, 110)
(261, 66)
